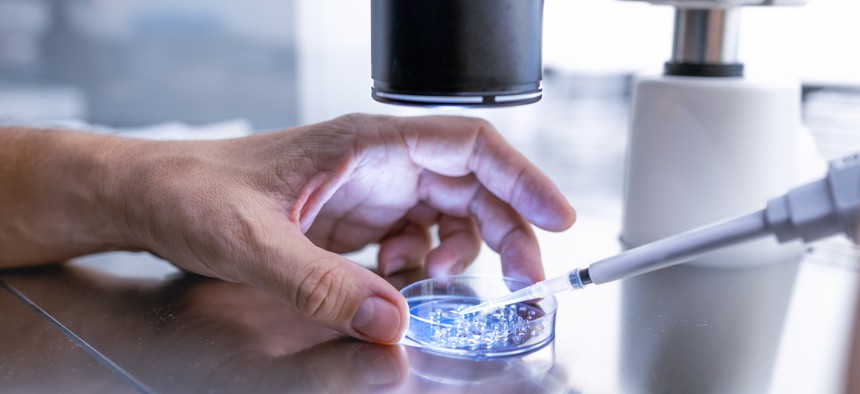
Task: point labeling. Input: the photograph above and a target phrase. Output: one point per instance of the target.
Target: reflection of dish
(528, 369)
(435, 325)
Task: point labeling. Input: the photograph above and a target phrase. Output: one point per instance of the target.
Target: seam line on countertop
(101, 358)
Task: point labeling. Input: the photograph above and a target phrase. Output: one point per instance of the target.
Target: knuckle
(362, 119)
(351, 118)
(320, 292)
(482, 123)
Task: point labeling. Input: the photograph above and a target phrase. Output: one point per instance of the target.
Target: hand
(274, 210)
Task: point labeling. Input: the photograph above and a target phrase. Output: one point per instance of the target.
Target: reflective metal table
(125, 322)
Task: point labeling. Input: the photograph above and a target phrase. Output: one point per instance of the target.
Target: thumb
(337, 293)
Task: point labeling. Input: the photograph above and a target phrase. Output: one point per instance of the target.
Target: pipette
(818, 209)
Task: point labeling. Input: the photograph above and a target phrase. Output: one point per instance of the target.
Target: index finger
(457, 146)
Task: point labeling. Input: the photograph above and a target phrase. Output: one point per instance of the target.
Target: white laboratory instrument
(819, 209)
(708, 133)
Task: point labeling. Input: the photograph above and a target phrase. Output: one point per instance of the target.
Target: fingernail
(376, 367)
(456, 268)
(377, 319)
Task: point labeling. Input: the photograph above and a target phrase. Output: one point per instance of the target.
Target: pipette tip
(476, 308)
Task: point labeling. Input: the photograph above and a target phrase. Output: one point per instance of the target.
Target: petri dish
(435, 325)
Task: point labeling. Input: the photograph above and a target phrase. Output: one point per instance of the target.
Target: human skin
(274, 210)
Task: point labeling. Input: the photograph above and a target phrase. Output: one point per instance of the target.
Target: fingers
(407, 248)
(404, 251)
(507, 233)
(459, 244)
(329, 289)
(456, 146)
(504, 230)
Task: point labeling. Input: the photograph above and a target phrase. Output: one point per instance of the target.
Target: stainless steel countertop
(128, 322)
(38, 356)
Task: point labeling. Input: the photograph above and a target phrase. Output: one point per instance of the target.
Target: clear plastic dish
(435, 325)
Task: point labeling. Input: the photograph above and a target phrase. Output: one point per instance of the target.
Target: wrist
(56, 199)
(144, 190)
(91, 180)
(119, 163)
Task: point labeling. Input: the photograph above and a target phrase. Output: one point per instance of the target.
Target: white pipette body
(819, 209)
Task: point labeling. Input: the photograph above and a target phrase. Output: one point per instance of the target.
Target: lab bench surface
(126, 322)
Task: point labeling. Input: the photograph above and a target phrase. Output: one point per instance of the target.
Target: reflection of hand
(272, 210)
(264, 345)
(339, 366)
(190, 334)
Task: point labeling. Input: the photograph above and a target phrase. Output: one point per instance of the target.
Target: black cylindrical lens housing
(480, 53)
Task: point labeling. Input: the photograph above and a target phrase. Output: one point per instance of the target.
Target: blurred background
(131, 63)
(269, 64)
(215, 68)
(278, 63)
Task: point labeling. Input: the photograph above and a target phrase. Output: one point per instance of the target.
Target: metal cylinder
(706, 42)
(474, 53)
(707, 36)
